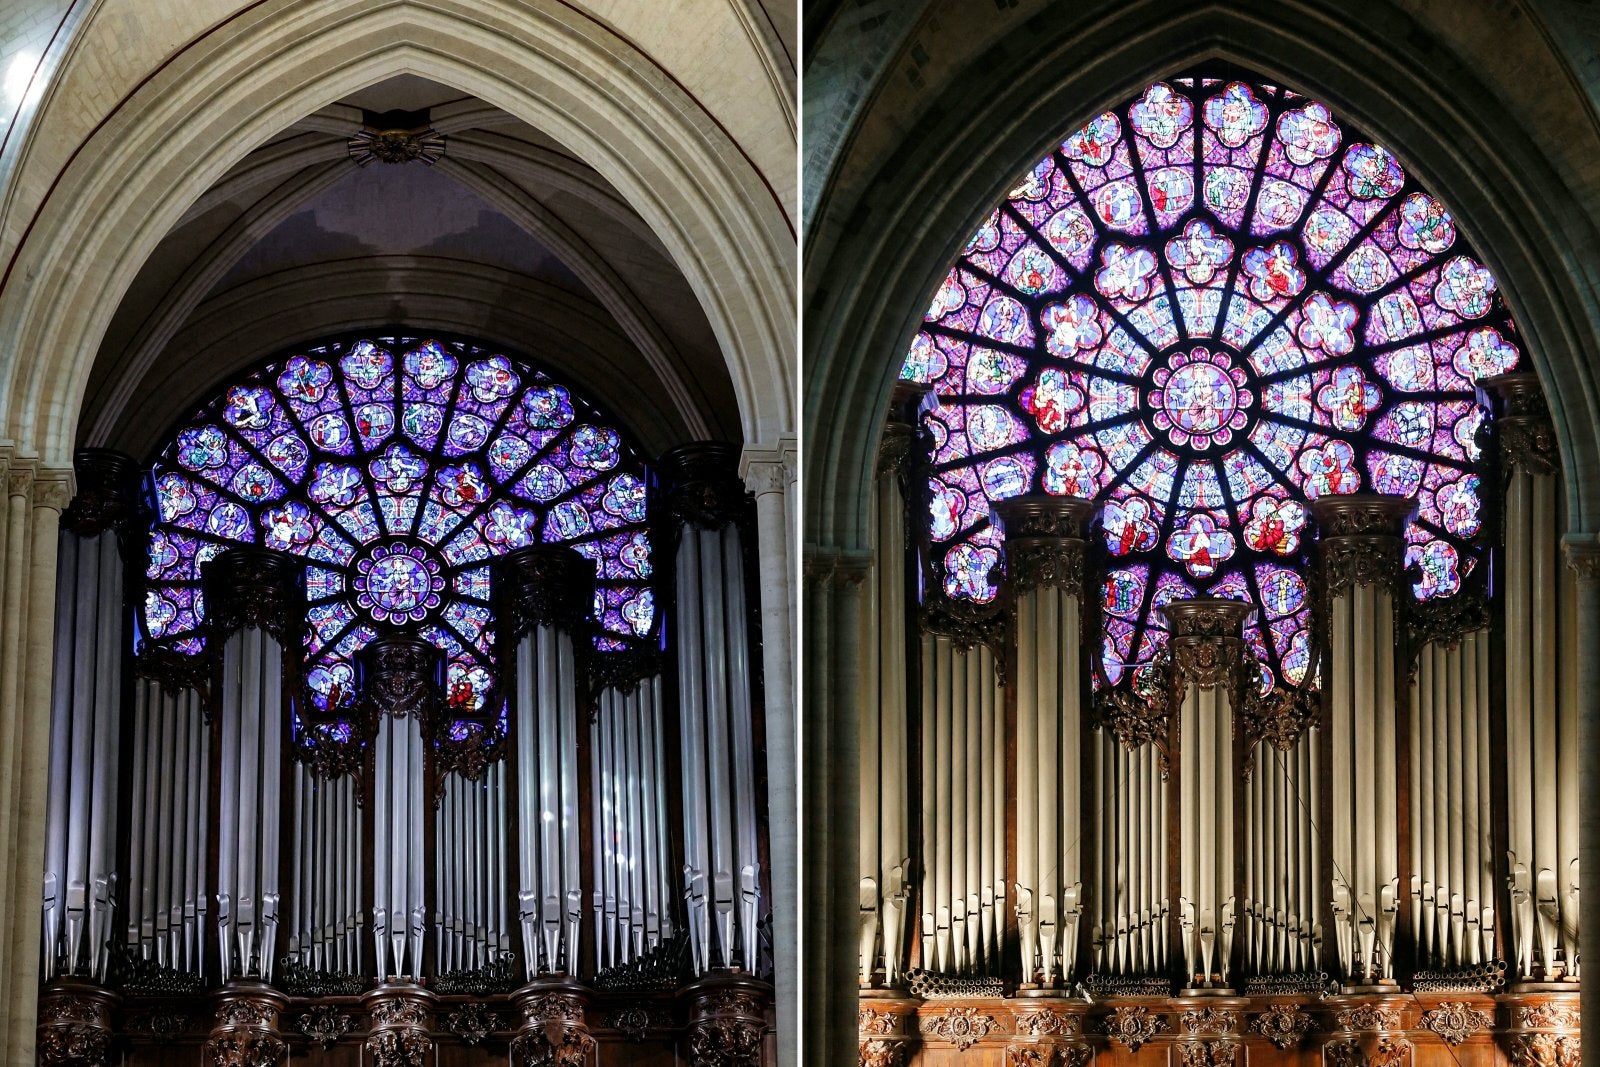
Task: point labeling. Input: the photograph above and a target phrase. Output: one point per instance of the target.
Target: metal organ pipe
(722, 877)
(962, 706)
(1541, 697)
(1044, 538)
(253, 598)
(1361, 551)
(546, 594)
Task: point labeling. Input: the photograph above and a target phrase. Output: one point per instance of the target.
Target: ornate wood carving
(703, 485)
(108, 493)
(1362, 539)
(163, 1024)
(400, 677)
(1209, 1053)
(1133, 1025)
(728, 1021)
(1207, 643)
(634, 1021)
(1376, 1052)
(402, 1016)
(1285, 1025)
(553, 1032)
(963, 1027)
(543, 585)
(74, 1025)
(254, 587)
(1040, 1022)
(879, 1053)
(1522, 423)
(1044, 541)
(1546, 1050)
(245, 1033)
(1456, 1020)
(323, 1025)
(472, 1023)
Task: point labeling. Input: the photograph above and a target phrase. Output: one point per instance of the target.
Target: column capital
(826, 564)
(108, 492)
(254, 587)
(399, 676)
(1044, 540)
(1522, 420)
(1583, 555)
(52, 489)
(1207, 640)
(542, 585)
(770, 467)
(1362, 539)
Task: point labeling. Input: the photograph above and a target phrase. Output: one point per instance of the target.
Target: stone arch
(182, 129)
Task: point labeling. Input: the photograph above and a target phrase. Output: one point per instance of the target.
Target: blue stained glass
(1202, 374)
(303, 455)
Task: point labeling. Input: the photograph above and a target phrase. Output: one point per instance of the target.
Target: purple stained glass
(1212, 304)
(398, 468)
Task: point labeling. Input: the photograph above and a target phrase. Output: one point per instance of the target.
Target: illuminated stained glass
(398, 468)
(1207, 307)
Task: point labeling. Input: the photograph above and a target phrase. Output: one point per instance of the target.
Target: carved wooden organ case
(578, 876)
(1378, 867)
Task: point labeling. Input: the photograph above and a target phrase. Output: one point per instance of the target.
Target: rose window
(1208, 306)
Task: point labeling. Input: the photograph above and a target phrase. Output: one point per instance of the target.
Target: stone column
(1583, 555)
(402, 1017)
(1044, 550)
(1208, 672)
(1360, 554)
(831, 814)
(728, 1022)
(246, 1031)
(553, 1031)
(36, 500)
(769, 472)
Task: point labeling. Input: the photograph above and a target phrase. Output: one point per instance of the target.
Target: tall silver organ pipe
(81, 875)
(1361, 551)
(327, 918)
(885, 837)
(632, 852)
(963, 888)
(1208, 668)
(400, 676)
(1283, 890)
(722, 864)
(1541, 654)
(546, 592)
(1044, 568)
(254, 598)
(472, 917)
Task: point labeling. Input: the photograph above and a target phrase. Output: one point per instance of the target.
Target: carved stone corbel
(245, 1032)
(75, 1024)
(554, 1032)
(728, 1021)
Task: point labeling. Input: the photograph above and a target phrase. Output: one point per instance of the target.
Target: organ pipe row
(240, 847)
(1395, 826)
(80, 881)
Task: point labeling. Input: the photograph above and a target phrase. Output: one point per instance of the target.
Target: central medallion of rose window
(1199, 398)
(398, 583)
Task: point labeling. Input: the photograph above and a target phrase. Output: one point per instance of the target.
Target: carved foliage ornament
(1046, 1024)
(703, 486)
(254, 587)
(1369, 1017)
(543, 585)
(1455, 1021)
(1208, 1053)
(1044, 541)
(725, 1042)
(399, 1048)
(636, 1020)
(877, 1052)
(1133, 1025)
(400, 678)
(962, 1027)
(1209, 1022)
(163, 1025)
(1522, 423)
(1285, 1025)
(877, 1022)
(1384, 1052)
(324, 1025)
(108, 492)
(79, 1044)
(1550, 1015)
(1546, 1050)
(1362, 539)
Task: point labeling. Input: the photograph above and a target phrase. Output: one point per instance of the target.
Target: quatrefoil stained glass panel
(398, 468)
(1207, 307)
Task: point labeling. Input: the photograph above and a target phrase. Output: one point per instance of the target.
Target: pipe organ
(1380, 858)
(566, 868)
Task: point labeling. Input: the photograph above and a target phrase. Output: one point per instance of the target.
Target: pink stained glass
(398, 468)
(1212, 304)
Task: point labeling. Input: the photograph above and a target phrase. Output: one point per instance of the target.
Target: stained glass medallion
(1208, 306)
(398, 468)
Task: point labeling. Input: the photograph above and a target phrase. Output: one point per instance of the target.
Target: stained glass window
(398, 468)
(1207, 307)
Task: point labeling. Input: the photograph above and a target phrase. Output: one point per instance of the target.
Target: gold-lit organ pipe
(963, 833)
(885, 844)
(1280, 927)
(1365, 875)
(1541, 733)
(1049, 891)
(1130, 903)
(1452, 882)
